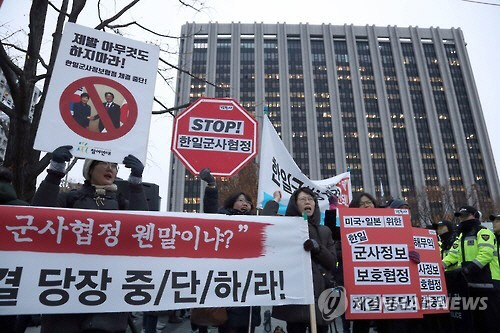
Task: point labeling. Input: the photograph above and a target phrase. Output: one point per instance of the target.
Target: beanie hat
(397, 203)
(88, 165)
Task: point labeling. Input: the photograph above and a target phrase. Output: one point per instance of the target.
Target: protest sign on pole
(100, 96)
(278, 171)
(215, 133)
(380, 280)
(56, 260)
(433, 291)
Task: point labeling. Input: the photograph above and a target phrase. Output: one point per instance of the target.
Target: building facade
(398, 107)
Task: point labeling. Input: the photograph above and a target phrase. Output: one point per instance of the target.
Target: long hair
(293, 210)
(356, 201)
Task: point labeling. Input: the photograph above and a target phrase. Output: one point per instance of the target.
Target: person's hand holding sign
(60, 156)
(136, 167)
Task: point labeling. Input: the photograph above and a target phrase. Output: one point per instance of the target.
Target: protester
(364, 200)
(239, 203)
(399, 204)
(98, 192)
(473, 251)
(8, 196)
(304, 202)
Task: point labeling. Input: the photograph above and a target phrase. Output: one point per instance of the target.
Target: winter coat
(322, 263)
(48, 195)
(236, 316)
(8, 195)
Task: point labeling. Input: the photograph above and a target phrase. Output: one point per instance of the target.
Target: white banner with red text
(56, 260)
(278, 171)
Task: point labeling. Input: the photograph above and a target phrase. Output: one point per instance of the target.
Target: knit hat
(88, 165)
(397, 203)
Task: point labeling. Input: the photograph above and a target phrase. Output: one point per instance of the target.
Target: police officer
(473, 251)
(495, 268)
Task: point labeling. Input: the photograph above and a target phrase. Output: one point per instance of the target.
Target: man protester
(473, 252)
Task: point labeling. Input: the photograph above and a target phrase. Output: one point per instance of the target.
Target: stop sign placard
(215, 133)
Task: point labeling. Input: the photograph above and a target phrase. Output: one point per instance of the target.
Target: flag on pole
(278, 171)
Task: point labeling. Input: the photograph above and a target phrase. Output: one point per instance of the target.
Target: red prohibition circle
(89, 84)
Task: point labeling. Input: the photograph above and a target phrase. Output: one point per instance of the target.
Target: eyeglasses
(245, 201)
(305, 199)
(112, 166)
(365, 203)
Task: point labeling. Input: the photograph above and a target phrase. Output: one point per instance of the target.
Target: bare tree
(23, 67)
(246, 180)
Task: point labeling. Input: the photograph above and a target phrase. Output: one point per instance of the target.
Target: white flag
(278, 171)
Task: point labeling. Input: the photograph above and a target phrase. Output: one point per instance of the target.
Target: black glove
(207, 176)
(414, 256)
(136, 166)
(62, 154)
(312, 246)
(333, 200)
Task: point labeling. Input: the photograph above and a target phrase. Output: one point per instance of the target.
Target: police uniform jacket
(473, 252)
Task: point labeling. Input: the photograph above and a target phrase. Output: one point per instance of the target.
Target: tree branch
(56, 9)
(105, 23)
(5, 60)
(77, 8)
(41, 77)
(114, 26)
(188, 73)
(169, 110)
(5, 109)
(188, 5)
(41, 165)
(44, 64)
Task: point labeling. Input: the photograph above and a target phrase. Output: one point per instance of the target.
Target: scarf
(100, 191)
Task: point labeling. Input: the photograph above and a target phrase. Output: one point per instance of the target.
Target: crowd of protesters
(469, 253)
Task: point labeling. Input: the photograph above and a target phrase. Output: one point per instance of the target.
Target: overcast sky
(480, 24)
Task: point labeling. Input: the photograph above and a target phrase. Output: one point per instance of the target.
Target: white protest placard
(100, 96)
(56, 260)
(278, 170)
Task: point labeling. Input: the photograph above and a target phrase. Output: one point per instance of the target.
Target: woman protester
(366, 200)
(238, 203)
(321, 246)
(98, 192)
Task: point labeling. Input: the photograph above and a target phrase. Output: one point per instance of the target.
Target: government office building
(397, 106)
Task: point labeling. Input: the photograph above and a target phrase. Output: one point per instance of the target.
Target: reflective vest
(444, 253)
(475, 247)
(494, 265)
